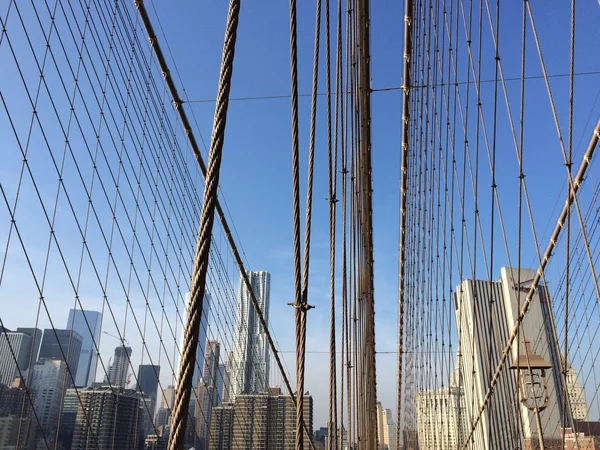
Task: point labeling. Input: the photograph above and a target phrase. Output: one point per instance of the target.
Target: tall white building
(117, 372)
(250, 361)
(579, 407)
(486, 313)
(87, 324)
(15, 352)
(386, 429)
(49, 384)
(441, 423)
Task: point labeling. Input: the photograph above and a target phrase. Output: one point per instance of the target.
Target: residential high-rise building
(36, 339)
(211, 363)
(267, 421)
(64, 345)
(250, 362)
(441, 419)
(385, 428)
(200, 349)
(486, 313)
(47, 380)
(68, 418)
(117, 372)
(17, 433)
(108, 419)
(221, 428)
(15, 352)
(88, 325)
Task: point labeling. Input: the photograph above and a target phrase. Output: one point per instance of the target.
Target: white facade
(486, 313)
(250, 362)
(386, 429)
(441, 423)
(117, 372)
(48, 382)
(579, 407)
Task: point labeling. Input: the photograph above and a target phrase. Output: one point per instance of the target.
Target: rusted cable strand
(198, 284)
(177, 102)
(587, 158)
(408, 6)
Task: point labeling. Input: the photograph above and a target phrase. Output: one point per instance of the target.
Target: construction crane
(124, 341)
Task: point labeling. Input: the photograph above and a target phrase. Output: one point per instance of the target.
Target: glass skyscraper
(86, 369)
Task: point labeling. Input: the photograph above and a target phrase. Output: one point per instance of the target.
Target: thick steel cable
(302, 307)
(577, 182)
(182, 396)
(408, 7)
(332, 410)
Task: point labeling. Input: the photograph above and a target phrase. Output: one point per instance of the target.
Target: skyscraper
(250, 362)
(576, 393)
(107, 419)
(64, 345)
(441, 418)
(48, 383)
(221, 373)
(15, 352)
(199, 365)
(148, 376)
(385, 428)
(211, 363)
(87, 324)
(486, 313)
(36, 339)
(117, 372)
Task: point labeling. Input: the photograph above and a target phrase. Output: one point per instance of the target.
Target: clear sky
(256, 167)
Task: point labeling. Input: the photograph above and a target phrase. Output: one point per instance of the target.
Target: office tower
(162, 419)
(221, 428)
(14, 400)
(167, 397)
(117, 372)
(204, 402)
(385, 428)
(47, 380)
(250, 363)
(486, 313)
(107, 419)
(221, 373)
(147, 407)
(441, 419)
(15, 351)
(17, 433)
(87, 324)
(227, 378)
(199, 364)
(147, 380)
(267, 421)
(579, 408)
(64, 345)
(36, 338)
(68, 418)
(211, 363)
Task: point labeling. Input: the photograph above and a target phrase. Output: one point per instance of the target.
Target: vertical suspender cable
(408, 6)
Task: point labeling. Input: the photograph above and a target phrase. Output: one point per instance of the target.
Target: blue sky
(256, 168)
